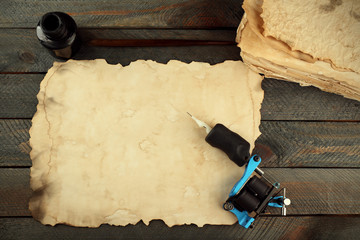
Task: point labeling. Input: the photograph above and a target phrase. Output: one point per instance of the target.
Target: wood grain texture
(309, 144)
(282, 144)
(155, 42)
(312, 191)
(282, 101)
(14, 143)
(128, 13)
(14, 191)
(289, 101)
(314, 227)
(20, 51)
(316, 193)
(18, 95)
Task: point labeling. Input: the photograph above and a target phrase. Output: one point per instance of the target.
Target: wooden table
(310, 141)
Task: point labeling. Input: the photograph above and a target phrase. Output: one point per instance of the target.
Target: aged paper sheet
(309, 42)
(113, 144)
(332, 34)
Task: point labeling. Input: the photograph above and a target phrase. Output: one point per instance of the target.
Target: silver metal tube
(259, 171)
(283, 209)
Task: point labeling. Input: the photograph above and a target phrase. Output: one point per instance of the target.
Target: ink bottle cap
(57, 32)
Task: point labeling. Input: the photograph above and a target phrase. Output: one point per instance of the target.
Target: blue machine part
(250, 168)
(243, 217)
(275, 204)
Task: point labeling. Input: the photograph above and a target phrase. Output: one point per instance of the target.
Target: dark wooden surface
(128, 13)
(310, 141)
(285, 228)
(291, 227)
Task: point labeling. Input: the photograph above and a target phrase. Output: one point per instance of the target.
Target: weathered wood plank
(18, 95)
(14, 143)
(312, 191)
(20, 51)
(14, 191)
(314, 227)
(134, 14)
(289, 101)
(282, 101)
(282, 144)
(309, 144)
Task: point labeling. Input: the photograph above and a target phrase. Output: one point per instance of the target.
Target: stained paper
(113, 144)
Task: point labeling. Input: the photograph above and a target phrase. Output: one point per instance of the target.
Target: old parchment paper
(113, 144)
(309, 42)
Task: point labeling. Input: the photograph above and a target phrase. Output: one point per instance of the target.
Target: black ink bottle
(57, 32)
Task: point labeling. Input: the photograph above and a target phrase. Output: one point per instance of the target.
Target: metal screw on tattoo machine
(253, 193)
